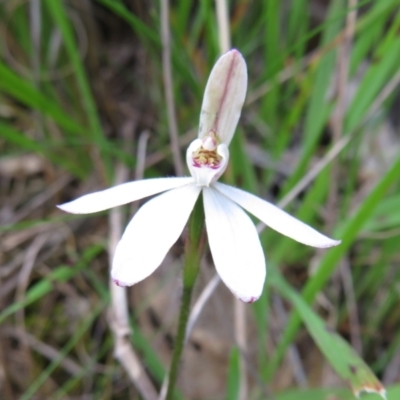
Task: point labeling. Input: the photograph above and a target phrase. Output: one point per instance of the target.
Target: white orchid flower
(233, 238)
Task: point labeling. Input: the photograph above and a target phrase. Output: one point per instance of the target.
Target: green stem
(193, 252)
(180, 339)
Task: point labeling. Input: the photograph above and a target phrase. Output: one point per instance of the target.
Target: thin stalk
(180, 338)
(193, 252)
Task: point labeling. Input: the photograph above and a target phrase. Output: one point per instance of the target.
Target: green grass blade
(26, 93)
(319, 109)
(233, 384)
(58, 12)
(139, 26)
(46, 285)
(80, 331)
(393, 393)
(332, 257)
(342, 357)
(25, 143)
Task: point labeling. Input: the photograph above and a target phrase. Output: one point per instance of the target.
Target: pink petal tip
(249, 300)
(119, 283)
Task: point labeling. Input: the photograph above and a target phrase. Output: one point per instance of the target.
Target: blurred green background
(81, 87)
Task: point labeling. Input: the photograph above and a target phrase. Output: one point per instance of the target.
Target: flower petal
(235, 246)
(151, 233)
(224, 97)
(276, 218)
(122, 194)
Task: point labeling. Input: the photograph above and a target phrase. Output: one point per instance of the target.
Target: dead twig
(223, 26)
(40, 199)
(67, 363)
(200, 303)
(22, 285)
(118, 314)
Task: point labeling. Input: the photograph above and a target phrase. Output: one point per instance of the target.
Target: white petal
(121, 194)
(235, 246)
(224, 96)
(151, 233)
(276, 218)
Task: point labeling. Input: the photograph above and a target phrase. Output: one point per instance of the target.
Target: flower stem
(180, 339)
(193, 252)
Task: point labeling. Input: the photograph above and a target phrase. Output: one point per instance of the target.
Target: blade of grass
(80, 331)
(179, 57)
(319, 109)
(58, 12)
(233, 385)
(151, 358)
(46, 285)
(141, 28)
(273, 61)
(332, 257)
(393, 393)
(63, 391)
(342, 357)
(26, 93)
(28, 144)
(298, 24)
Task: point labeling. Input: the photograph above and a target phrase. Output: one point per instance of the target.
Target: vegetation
(83, 106)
